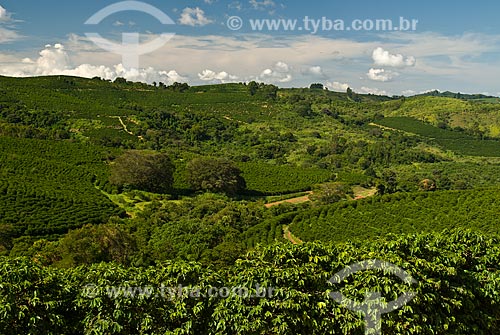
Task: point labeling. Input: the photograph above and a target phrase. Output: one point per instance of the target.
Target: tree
(270, 91)
(215, 175)
(120, 81)
(330, 193)
(349, 93)
(95, 244)
(303, 109)
(179, 87)
(143, 171)
(390, 182)
(253, 87)
(352, 95)
(316, 86)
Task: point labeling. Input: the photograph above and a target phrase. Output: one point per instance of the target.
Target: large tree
(215, 175)
(330, 193)
(143, 171)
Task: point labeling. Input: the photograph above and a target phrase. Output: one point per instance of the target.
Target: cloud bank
(450, 62)
(54, 60)
(221, 77)
(336, 86)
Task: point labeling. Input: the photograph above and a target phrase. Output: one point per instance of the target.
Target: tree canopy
(143, 171)
(215, 175)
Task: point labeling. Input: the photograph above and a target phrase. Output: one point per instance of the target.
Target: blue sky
(455, 46)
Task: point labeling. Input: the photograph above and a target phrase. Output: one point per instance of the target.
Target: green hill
(455, 141)
(386, 178)
(479, 118)
(458, 95)
(60, 136)
(47, 188)
(400, 214)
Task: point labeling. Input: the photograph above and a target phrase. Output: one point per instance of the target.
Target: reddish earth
(297, 200)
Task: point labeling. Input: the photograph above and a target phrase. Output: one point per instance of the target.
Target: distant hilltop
(458, 95)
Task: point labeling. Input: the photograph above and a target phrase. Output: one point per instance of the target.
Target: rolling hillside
(61, 136)
(411, 180)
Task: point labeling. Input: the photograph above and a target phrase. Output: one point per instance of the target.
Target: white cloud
(282, 67)
(369, 90)
(279, 73)
(4, 15)
(262, 5)
(413, 92)
(383, 57)
(408, 93)
(194, 17)
(223, 77)
(54, 60)
(336, 86)
(7, 35)
(316, 71)
(148, 75)
(433, 44)
(174, 76)
(381, 75)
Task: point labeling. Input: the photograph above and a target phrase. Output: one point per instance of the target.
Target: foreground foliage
(457, 287)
